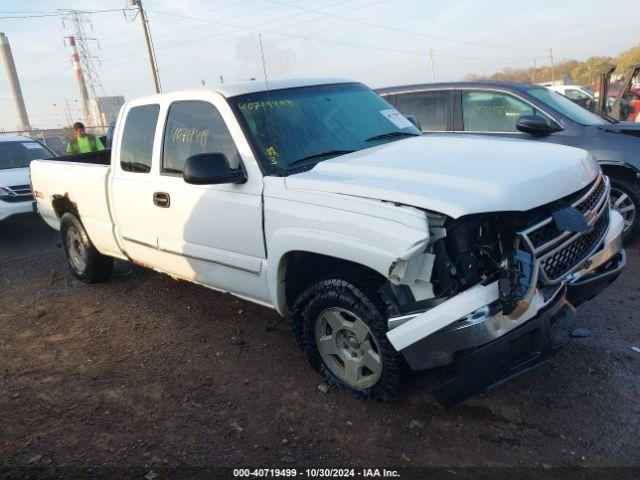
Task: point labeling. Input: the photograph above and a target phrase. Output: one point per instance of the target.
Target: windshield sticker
(273, 155)
(31, 145)
(396, 118)
(264, 105)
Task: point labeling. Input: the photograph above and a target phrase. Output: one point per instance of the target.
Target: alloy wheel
(348, 348)
(76, 250)
(623, 204)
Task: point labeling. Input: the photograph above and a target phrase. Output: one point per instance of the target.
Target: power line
(208, 37)
(30, 16)
(305, 37)
(301, 37)
(399, 30)
(173, 21)
(462, 57)
(58, 13)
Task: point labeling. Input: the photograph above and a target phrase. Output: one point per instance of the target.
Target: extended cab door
(133, 182)
(491, 112)
(210, 234)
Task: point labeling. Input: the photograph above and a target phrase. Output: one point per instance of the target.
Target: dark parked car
(531, 112)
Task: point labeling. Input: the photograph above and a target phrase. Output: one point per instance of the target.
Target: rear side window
(195, 127)
(430, 108)
(137, 140)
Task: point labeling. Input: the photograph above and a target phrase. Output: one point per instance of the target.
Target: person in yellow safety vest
(83, 142)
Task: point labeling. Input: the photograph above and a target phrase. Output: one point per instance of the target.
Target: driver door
(490, 112)
(209, 234)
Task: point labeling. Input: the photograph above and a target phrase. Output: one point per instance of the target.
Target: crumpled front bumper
(488, 347)
(511, 355)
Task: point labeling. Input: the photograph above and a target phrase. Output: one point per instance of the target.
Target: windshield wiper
(392, 134)
(329, 153)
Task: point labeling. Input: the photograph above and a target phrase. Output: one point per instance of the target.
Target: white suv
(16, 154)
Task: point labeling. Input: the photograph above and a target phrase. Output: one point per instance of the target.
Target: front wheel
(344, 337)
(86, 263)
(625, 199)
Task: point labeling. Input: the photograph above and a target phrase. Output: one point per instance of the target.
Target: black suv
(531, 112)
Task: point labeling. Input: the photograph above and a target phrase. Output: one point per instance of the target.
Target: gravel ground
(143, 372)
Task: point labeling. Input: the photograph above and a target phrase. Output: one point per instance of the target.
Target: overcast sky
(301, 38)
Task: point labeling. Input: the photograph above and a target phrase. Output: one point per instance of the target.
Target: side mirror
(414, 120)
(211, 169)
(535, 125)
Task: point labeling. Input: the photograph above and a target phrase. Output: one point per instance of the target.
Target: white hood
(455, 175)
(14, 176)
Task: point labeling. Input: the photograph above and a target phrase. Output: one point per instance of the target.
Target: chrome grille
(17, 193)
(586, 205)
(545, 234)
(561, 252)
(560, 262)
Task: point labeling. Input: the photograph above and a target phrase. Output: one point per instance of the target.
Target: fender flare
(320, 242)
(619, 163)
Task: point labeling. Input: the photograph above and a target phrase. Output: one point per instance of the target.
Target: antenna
(264, 64)
(266, 83)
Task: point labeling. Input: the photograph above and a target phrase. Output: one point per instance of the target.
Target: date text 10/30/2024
(316, 473)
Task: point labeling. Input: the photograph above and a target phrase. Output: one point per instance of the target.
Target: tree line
(583, 73)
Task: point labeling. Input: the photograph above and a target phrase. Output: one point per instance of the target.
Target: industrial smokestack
(84, 96)
(14, 82)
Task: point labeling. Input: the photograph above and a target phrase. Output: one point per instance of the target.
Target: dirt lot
(146, 373)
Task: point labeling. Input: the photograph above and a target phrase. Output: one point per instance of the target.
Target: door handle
(161, 199)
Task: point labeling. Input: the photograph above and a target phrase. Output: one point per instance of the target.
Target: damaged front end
(504, 288)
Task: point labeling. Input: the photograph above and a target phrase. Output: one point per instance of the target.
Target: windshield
(568, 108)
(20, 154)
(299, 127)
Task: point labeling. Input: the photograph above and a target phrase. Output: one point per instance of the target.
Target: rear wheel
(343, 335)
(625, 199)
(86, 263)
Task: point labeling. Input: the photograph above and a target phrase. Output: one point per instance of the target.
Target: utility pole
(150, 51)
(14, 82)
(433, 72)
(533, 74)
(553, 72)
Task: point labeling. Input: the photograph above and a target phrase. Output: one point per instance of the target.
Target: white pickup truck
(318, 199)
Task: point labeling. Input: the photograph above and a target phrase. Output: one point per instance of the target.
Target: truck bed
(103, 157)
(78, 182)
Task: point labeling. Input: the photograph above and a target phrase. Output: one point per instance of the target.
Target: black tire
(95, 267)
(352, 293)
(632, 190)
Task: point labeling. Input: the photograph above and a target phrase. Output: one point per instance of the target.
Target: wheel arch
(300, 256)
(62, 204)
(299, 269)
(620, 170)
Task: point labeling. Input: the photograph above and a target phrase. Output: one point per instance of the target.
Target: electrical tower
(84, 61)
